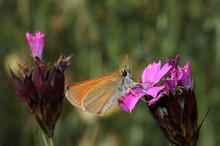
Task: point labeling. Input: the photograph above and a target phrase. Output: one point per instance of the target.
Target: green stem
(44, 139)
(51, 141)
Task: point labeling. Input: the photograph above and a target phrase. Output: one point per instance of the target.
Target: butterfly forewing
(76, 92)
(100, 97)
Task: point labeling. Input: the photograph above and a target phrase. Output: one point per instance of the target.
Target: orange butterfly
(99, 94)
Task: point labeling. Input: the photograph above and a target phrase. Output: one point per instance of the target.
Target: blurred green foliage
(99, 34)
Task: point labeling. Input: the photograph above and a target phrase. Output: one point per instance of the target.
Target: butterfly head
(125, 71)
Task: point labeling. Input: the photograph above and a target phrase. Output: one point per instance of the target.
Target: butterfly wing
(102, 96)
(76, 92)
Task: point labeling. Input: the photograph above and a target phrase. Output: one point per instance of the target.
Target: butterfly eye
(124, 73)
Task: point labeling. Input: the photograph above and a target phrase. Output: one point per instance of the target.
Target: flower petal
(186, 79)
(170, 84)
(131, 99)
(150, 72)
(162, 72)
(154, 91)
(36, 43)
(122, 105)
(173, 62)
(154, 100)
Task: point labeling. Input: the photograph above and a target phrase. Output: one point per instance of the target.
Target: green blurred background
(99, 34)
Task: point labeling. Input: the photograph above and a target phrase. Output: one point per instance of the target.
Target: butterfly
(99, 94)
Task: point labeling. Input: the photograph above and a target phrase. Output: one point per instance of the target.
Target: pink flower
(176, 110)
(41, 87)
(179, 76)
(36, 43)
(150, 77)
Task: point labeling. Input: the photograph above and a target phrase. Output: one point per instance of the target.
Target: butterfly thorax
(126, 82)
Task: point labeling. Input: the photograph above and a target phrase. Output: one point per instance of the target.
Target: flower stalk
(51, 141)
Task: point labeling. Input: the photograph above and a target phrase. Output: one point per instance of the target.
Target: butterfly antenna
(126, 58)
(144, 61)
